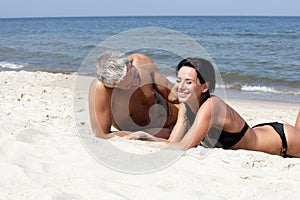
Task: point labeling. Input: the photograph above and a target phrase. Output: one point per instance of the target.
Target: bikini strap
(284, 146)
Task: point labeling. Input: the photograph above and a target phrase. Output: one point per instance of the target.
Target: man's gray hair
(111, 67)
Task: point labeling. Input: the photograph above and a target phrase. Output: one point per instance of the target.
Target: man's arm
(100, 110)
(161, 84)
(164, 86)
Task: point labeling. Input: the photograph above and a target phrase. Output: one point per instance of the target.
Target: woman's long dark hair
(205, 73)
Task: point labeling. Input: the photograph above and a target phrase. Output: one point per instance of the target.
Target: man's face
(131, 79)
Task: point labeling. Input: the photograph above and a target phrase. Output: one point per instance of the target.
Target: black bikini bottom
(278, 127)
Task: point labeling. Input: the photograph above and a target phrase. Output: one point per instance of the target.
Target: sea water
(257, 57)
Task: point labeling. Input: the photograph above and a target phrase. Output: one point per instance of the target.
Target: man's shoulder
(98, 87)
(138, 59)
(138, 56)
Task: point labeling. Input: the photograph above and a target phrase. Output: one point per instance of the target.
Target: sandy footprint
(293, 166)
(254, 162)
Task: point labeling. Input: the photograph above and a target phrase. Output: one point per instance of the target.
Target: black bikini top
(215, 137)
(223, 139)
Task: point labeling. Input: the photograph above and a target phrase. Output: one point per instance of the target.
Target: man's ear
(205, 87)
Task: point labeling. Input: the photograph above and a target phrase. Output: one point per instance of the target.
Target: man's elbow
(100, 133)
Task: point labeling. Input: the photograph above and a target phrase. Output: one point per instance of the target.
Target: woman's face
(188, 86)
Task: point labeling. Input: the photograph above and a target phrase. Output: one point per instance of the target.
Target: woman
(208, 120)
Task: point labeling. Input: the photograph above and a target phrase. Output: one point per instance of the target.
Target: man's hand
(141, 135)
(173, 98)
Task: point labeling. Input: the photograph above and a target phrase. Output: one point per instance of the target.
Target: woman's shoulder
(213, 105)
(214, 101)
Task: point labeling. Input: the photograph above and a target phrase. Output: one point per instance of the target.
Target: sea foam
(9, 65)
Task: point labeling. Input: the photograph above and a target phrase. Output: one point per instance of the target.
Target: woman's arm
(202, 123)
(180, 137)
(181, 125)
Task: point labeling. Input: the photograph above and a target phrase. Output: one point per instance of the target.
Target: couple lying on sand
(131, 95)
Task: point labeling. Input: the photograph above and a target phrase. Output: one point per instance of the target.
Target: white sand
(43, 157)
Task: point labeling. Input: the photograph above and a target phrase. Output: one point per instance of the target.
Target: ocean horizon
(257, 56)
(102, 16)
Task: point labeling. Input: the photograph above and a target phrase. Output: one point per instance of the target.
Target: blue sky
(57, 8)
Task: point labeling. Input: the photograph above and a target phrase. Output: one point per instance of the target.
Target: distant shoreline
(115, 16)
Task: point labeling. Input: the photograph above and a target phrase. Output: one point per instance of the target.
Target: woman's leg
(297, 124)
(293, 137)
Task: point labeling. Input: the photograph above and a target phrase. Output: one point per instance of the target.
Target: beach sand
(43, 155)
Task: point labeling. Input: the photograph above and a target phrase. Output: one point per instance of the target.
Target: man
(131, 95)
